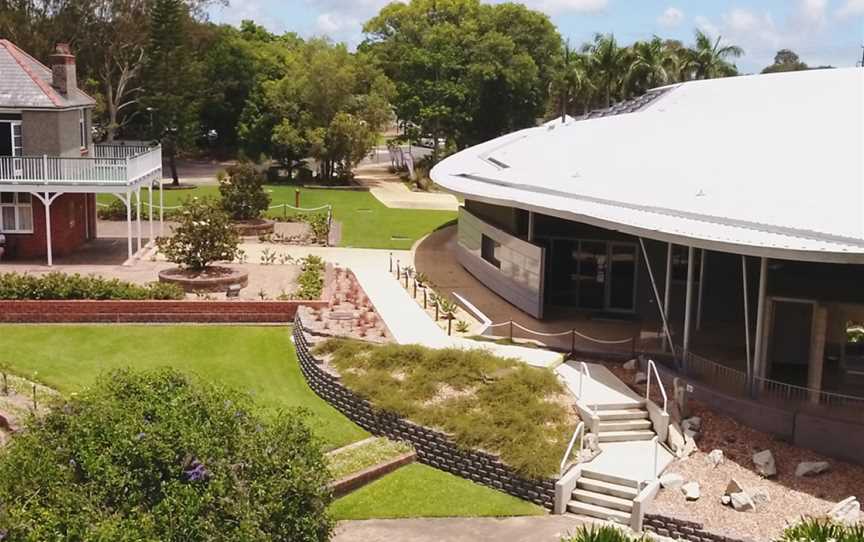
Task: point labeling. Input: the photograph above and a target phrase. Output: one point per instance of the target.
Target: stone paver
(527, 529)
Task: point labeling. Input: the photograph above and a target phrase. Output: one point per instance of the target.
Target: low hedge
(60, 286)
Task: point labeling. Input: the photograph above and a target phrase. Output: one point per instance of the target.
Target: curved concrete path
(522, 529)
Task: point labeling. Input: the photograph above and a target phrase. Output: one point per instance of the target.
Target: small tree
(289, 146)
(448, 309)
(204, 236)
(242, 190)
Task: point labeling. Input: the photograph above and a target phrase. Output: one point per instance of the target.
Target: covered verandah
(121, 170)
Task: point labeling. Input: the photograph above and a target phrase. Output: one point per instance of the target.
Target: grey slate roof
(25, 83)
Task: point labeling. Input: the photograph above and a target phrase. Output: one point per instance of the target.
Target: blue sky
(820, 31)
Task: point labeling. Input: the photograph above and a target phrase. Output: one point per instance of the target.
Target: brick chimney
(64, 76)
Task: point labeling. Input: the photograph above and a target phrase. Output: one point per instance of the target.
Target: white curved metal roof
(767, 165)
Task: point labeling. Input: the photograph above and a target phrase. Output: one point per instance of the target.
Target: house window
(488, 251)
(17, 140)
(82, 128)
(16, 212)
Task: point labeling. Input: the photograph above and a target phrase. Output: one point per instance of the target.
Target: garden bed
(210, 279)
(253, 228)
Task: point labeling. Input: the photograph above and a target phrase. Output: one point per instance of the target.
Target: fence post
(573, 342)
(297, 197)
(391, 262)
(511, 330)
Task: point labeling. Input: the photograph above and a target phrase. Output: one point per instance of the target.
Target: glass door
(622, 277)
(593, 274)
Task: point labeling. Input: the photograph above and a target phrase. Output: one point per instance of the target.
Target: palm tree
(652, 65)
(709, 59)
(607, 62)
(571, 81)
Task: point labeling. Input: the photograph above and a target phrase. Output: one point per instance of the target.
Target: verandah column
(667, 291)
(128, 202)
(47, 204)
(688, 302)
(138, 215)
(818, 332)
(759, 350)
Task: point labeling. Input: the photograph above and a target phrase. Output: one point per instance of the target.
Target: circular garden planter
(212, 279)
(253, 228)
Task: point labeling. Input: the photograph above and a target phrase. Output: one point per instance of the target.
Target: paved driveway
(527, 529)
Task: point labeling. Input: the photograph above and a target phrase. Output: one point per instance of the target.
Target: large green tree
(465, 71)
(786, 60)
(711, 58)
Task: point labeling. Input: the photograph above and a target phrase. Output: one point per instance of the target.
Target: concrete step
(607, 488)
(623, 414)
(627, 436)
(624, 425)
(608, 514)
(619, 406)
(609, 478)
(606, 501)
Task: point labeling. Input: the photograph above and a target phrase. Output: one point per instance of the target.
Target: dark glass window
(488, 250)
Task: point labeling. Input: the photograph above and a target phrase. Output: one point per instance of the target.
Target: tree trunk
(172, 161)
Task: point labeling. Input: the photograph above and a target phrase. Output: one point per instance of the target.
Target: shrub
(311, 279)
(242, 190)
(116, 210)
(60, 286)
(823, 530)
(160, 456)
(602, 533)
(203, 236)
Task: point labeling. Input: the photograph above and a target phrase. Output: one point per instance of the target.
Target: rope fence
(571, 340)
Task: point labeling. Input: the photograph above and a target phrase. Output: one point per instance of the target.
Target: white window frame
(82, 129)
(18, 210)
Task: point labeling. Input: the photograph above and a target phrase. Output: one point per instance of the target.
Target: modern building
(50, 170)
(729, 211)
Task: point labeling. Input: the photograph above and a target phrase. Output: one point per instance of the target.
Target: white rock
(742, 502)
(671, 480)
(675, 438)
(631, 365)
(760, 495)
(811, 468)
(691, 491)
(733, 487)
(591, 442)
(765, 464)
(725, 500)
(716, 458)
(689, 447)
(640, 378)
(693, 424)
(847, 511)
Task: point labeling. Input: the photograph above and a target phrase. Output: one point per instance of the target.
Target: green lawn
(421, 491)
(366, 222)
(258, 360)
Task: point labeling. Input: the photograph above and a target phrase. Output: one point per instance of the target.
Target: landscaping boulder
(691, 491)
(733, 487)
(693, 424)
(847, 511)
(632, 365)
(765, 464)
(675, 439)
(689, 447)
(742, 502)
(716, 458)
(725, 500)
(640, 378)
(811, 468)
(671, 480)
(760, 495)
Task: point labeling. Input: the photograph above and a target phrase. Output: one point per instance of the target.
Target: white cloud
(852, 8)
(671, 18)
(554, 7)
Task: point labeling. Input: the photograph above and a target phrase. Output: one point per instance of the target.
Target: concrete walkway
(523, 529)
(600, 388)
(392, 192)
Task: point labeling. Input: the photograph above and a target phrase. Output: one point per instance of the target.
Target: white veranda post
(667, 289)
(759, 350)
(150, 209)
(702, 264)
(688, 301)
(47, 199)
(138, 215)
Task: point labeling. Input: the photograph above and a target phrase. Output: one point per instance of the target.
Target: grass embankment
(485, 402)
(420, 491)
(366, 222)
(258, 360)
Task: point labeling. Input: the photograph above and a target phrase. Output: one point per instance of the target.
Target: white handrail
(580, 430)
(583, 372)
(652, 367)
(656, 441)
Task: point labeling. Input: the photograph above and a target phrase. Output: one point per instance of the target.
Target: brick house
(50, 169)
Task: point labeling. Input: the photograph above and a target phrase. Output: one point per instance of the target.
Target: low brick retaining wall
(433, 447)
(679, 529)
(191, 311)
(346, 485)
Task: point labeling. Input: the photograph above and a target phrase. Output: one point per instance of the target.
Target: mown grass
(260, 361)
(366, 222)
(364, 455)
(485, 402)
(420, 491)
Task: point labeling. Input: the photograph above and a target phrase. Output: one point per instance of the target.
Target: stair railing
(656, 441)
(583, 374)
(579, 433)
(652, 368)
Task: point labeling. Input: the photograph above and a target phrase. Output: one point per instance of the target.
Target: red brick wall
(151, 311)
(68, 228)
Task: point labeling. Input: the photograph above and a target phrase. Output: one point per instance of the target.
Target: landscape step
(624, 425)
(607, 488)
(606, 501)
(635, 405)
(609, 478)
(626, 436)
(623, 414)
(609, 514)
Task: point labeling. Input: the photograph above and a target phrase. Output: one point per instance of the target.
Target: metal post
(759, 358)
(161, 210)
(573, 343)
(667, 289)
(531, 226)
(391, 262)
(150, 198)
(128, 202)
(47, 203)
(746, 316)
(688, 300)
(511, 330)
(702, 262)
(138, 215)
